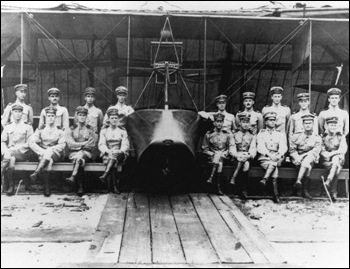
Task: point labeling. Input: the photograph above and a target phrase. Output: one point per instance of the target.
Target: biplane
(174, 62)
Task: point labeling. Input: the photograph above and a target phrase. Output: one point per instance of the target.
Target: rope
(3, 27)
(233, 45)
(287, 38)
(51, 38)
(277, 47)
(332, 38)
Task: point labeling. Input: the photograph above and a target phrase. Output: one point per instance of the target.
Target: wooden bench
(284, 172)
(62, 167)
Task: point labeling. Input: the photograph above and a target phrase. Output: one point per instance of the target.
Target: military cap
(219, 116)
(244, 116)
(81, 109)
(20, 87)
(112, 111)
(51, 110)
(53, 91)
(17, 107)
(334, 91)
(276, 90)
(220, 98)
(304, 95)
(332, 119)
(121, 89)
(308, 117)
(270, 115)
(248, 95)
(90, 90)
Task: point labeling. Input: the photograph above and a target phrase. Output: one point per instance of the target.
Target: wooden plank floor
(193, 229)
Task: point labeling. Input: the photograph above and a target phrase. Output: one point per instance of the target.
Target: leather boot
(244, 179)
(4, 164)
(219, 183)
(213, 170)
(33, 177)
(113, 184)
(305, 188)
(330, 176)
(5, 184)
(47, 191)
(276, 198)
(28, 185)
(109, 167)
(71, 180)
(301, 173)
(80, 191)
(11, 189)
(270, 169)
(235, 173)
(333, 189)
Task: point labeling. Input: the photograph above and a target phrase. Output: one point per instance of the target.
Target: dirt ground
(47, 232)
(307, 233)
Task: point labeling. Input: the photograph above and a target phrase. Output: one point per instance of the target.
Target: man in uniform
(27, 115)
(48, 142)
(123, 109)
(256, 118)
(304, 149)
(114, 148)
(295, 123)
(243, 150)
(334, 111)
(282, 111)
(271, 146)
(81, 140)
(95, 116)
(62, 116)
(14, 145)
(333, 152)
(216, 145)
(229, 121)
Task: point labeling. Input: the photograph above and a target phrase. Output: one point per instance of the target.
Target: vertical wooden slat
(166, 243)
(136, 245)
(225, 243)
(195, 242)
(106, 243)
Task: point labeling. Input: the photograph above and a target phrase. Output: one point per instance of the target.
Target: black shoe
(333, 197)
(70, 181)
(297, 185)
(276, 199)
(262, 183)
(80, 191)
(244, 195)
(10, 191)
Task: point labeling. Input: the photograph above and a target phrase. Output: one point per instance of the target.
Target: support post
(205, 64)
(22, 49)
(128, 59)
(310, 64)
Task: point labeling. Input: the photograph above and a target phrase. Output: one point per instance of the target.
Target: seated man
(216, 145)
(81, 140)
(14, 145)
(114, 148)
(333, 152)
(244, 150)
(304, 149)
(271, 145)
(48, 142)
